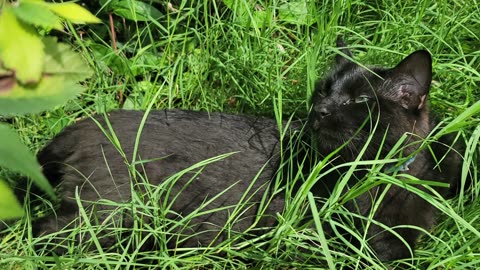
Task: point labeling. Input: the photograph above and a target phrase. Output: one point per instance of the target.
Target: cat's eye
(361, 99)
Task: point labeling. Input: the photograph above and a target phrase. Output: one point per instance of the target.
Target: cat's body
(389, 103)
(387, 107)
(171, 141)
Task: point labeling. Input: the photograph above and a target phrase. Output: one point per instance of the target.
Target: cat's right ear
(415, 72)
(345, 54)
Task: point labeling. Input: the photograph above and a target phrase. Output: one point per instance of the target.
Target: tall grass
(263, 58)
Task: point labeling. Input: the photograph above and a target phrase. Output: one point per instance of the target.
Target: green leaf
(63, 69)
(50, 92)
(24, 53)
(135, 10)
(16, 156)
(107, 59)
(37, 13)
(246, 14)
(73, 12)
(461, 120)
(60, 59)
(295, 13)
(229, 3)
(10, 208)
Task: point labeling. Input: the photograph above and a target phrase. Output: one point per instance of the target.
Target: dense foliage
(263, 58)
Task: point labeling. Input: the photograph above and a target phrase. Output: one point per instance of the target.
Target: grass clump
(262, 58)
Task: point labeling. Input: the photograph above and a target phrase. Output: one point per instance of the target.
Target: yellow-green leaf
(50, 92)
(60, 59)
(10, 208)
(63, 69)
(37, 13)
(73, 12)
(21, 50)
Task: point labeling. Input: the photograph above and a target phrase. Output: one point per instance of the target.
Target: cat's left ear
(415, 76)
(340, 59)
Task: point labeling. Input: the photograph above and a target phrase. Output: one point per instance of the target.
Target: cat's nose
(322, 111)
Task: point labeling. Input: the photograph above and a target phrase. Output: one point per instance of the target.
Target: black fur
(354, 103)
(171, 141)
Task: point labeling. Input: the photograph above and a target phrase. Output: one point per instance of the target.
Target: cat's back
(174, 137)
(201, 155)
(163, 131)
(183, 125)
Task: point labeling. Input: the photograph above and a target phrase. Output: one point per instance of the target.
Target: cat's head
(354, 101)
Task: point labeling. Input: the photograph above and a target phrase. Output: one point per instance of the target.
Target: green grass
(262, 58)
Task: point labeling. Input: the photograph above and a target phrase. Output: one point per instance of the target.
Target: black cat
(360, 111)
(233, 194)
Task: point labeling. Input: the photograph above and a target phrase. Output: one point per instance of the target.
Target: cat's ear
(414, 76)
(341, 59)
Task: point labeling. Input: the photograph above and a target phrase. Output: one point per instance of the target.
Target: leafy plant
(36, 73)
(203, 57)
(132, 10)
(292, 12)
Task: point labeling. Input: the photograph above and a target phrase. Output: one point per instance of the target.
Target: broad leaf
(10, 208)
(50, 92)
(16, 156)
(37, 13)
(60, 59)
(107, 59)
(246, 14)
(135, 10)
(73, 12)
(295, 13)
(21, 50)
(63, 68)
(229, 3)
